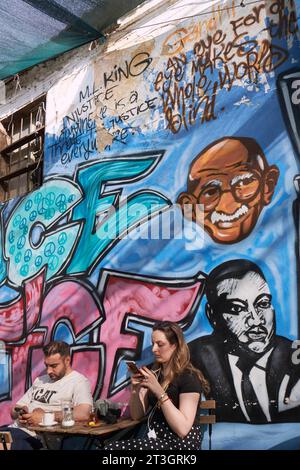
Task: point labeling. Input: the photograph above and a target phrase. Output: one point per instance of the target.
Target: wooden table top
(99, 429)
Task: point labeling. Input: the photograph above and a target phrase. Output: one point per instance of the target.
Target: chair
(5, 440)
(209, 418)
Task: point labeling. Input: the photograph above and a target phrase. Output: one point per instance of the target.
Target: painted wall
(164, 161)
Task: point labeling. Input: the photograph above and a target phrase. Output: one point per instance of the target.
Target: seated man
(46, 394)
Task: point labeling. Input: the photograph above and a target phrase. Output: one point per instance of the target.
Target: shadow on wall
(291, 444)
(238, 436)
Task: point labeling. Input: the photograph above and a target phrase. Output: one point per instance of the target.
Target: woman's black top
(186, 382)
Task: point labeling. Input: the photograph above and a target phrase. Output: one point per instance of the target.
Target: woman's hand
(136, 380)
(150, 382)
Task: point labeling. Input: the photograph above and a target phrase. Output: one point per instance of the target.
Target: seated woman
(170, 393)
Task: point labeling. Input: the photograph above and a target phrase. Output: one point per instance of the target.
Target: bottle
(93, 417)
(67, 414)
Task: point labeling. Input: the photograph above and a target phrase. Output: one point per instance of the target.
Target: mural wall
(171, 191)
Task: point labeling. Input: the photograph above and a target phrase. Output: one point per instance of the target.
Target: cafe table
(99, 432)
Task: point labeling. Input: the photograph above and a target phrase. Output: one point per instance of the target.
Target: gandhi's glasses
(243, 189)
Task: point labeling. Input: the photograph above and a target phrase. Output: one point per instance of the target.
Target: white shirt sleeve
(82, 392)
(26, 398)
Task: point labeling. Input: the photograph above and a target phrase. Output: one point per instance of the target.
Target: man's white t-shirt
(48, 394)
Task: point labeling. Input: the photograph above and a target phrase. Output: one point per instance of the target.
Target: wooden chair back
(209, 417)
(5, 440)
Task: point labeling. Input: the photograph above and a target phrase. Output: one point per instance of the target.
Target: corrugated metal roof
(33, 31)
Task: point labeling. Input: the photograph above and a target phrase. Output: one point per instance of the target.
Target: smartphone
(133, 367)
(20, 410)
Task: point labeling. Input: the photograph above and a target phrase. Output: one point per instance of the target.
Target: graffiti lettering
(178, 40)
(129, 113)
(121, 135)
(3, 272)
(188, 113)
(63, 307)
(74, 119)
(77, 138)
(115, 125)
(285, 22)
(83, 95)
(296, 354)
(246, 21)
(95, 240)
(141, 108)
(127, 316)
(296, 94)
(31, 242)
(78, 150)
(138, 64)
(188, 89)
(36, 237)
(94, 95)
(21, 314)
(19, 362)
(258, 55)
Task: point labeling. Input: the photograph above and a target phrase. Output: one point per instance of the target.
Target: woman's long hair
(180, 359)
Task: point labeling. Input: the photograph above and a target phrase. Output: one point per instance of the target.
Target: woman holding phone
(169, 394)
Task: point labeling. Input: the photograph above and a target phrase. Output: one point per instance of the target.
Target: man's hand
(32, 419)
(18, 410)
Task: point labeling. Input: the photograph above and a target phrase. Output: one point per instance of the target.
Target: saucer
(48, 425)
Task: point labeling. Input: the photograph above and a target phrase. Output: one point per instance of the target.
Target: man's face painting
(230, 190)
(246, 307)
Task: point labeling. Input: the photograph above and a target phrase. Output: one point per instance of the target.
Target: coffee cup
(48, 418)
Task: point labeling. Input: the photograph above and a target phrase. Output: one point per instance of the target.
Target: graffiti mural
(233, 182)
(171, 191)
(249, 367)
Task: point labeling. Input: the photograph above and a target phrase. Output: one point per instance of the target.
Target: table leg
(3, 441)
